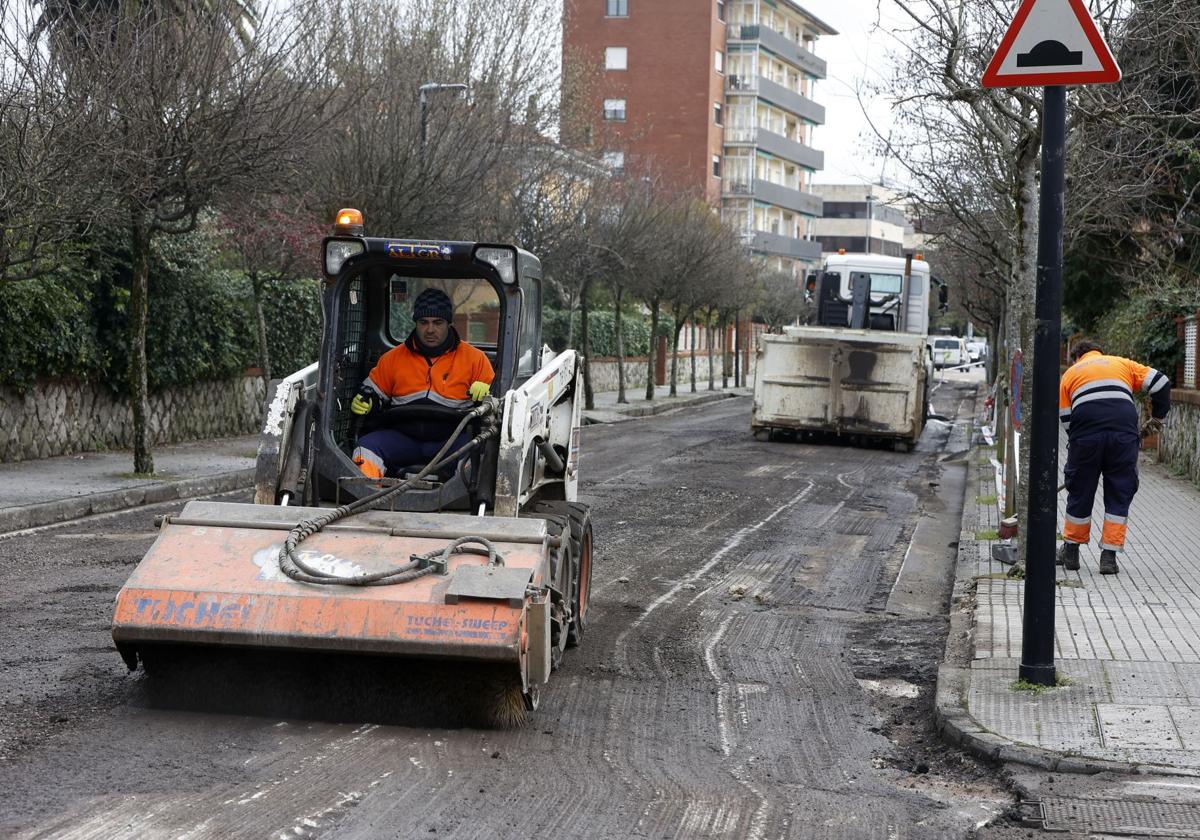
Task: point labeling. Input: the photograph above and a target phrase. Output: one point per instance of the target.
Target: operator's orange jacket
(404, 375)
(1096, 394)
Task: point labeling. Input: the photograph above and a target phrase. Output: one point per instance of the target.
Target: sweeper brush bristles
(360, 689)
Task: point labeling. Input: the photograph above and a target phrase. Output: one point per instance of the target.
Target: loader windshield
(476, 308)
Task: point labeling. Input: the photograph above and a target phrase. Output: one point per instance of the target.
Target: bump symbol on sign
(1050, 54)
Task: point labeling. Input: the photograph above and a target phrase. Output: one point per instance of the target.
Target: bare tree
(47, 194)
(182, 116)
(277, 238)
(449, 167)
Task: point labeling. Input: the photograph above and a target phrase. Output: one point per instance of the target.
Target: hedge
(602, 331)
(1143, 329)
(73, 324)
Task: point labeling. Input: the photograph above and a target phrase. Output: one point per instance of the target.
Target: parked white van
(948, 351)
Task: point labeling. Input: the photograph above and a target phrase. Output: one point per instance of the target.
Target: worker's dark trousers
(388, 451)
(1113, 455)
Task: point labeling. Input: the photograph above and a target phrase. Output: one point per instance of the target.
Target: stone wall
(1179, 442)
(604, 372)
(60, 418)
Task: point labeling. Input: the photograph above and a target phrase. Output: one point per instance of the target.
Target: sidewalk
(49, 490)
(1128, 645)
(607, 409)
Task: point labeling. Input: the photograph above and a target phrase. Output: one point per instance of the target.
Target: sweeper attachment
(481, 555)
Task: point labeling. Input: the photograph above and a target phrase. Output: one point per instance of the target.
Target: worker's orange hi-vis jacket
(1096, 394)
(404, 376)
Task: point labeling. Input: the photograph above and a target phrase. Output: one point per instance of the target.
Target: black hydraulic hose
(296, 569)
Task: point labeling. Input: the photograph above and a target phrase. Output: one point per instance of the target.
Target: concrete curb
(633, 411)
(62, 510)
(955, 724)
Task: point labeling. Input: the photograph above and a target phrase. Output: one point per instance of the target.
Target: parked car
(948, 351)
(977, 349)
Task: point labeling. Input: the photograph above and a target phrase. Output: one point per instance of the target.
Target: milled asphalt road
(760, 664)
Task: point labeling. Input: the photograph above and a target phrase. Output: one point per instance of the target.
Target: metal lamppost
(424, 91)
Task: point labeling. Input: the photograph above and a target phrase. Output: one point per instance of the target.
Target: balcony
(785, 246)
(776, 194)
(778, 145)
(778, 95)
(791, 101)
(785, 48)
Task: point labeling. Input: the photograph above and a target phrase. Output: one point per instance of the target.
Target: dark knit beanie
(433, 303)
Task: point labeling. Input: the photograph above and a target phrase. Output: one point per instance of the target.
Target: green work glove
(362, 404)
(479, 390)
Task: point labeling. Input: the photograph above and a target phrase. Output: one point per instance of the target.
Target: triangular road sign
(1051, 42)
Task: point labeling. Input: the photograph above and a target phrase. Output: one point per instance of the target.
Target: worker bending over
(1096, 406)
(432, 367)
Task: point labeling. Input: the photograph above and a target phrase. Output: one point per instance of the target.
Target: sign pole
(1037, 638)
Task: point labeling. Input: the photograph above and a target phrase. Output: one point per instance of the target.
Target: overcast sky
(857, 53)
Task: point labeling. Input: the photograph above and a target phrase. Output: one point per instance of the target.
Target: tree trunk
(264, 356)
(723, 325)
(737, 349)
(620, 336)
(675, 357)
(571, 321)
(654, 304)
(585, 346)
(1023, 289)
(139, 305)
(708, 341)
(693, 382)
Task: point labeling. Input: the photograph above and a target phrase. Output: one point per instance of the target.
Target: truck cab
(871, 291)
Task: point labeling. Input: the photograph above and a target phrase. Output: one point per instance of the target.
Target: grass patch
(989, 534)
(1033, 688)
(155, 476)
(986, 500)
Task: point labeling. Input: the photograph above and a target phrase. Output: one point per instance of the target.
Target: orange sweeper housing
(480, 554)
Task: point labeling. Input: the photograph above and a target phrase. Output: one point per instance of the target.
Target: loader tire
(579, 522)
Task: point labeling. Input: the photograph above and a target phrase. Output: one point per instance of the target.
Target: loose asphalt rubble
(1127, 646)
(50, 490)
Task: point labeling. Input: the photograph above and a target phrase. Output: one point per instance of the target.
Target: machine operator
(433, 366)
(1096, 406)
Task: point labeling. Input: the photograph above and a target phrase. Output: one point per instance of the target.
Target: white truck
(863, 370)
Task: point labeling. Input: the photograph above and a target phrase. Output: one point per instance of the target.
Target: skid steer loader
(482, 555)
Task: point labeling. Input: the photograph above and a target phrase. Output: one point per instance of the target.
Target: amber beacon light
(349, 221)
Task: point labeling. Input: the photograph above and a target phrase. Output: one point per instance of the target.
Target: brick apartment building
(713, 96)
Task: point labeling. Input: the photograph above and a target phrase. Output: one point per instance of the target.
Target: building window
(616, 58)
(716, 166)
(616, 8)
(614, 109)
(721, 10)
(717, 113)
(719, 61)
(615, 160)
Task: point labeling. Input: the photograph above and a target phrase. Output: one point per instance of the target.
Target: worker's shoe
(1068, 556)
(1108, 562)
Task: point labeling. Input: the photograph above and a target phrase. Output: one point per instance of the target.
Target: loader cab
(370, 286)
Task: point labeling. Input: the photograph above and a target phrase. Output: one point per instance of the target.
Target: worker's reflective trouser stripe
(1113, 535)
(370, 463)
(1077, 529)
(1112, 455)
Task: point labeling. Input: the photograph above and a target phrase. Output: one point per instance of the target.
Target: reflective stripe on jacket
(1096, 394)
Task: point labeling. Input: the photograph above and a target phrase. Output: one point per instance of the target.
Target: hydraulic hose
(296, 569)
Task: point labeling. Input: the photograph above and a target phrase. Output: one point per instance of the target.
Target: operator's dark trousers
(1113, 455)
(389, 451)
